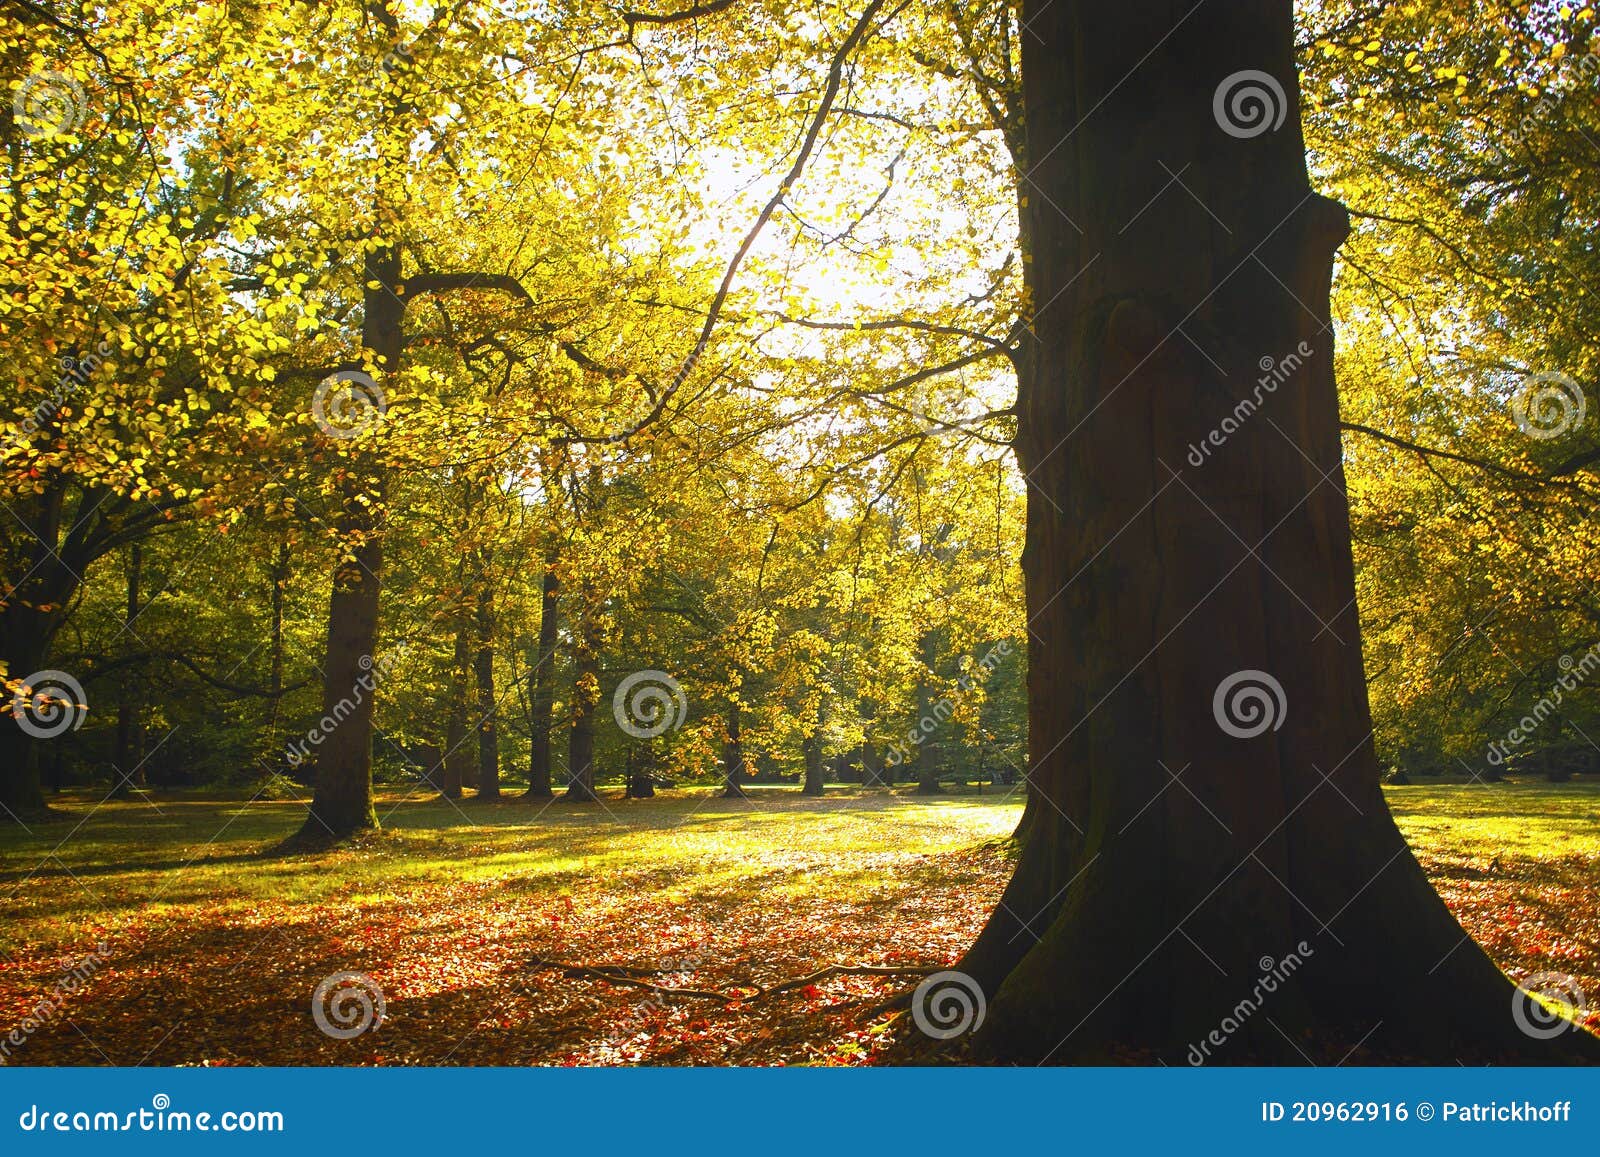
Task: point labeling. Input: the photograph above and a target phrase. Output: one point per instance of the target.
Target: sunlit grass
(446, 906)
(153, 857)
(1533, 818)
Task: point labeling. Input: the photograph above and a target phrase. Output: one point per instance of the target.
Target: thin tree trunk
(459, 766)
(342, 802)
(733, 757)
(1143, 911)
(872, 766)
(641, 765)
(124, 765)
(488, 707)
(585, 702)
(927, 766)
(541, 685)
(279, 576)
(812, 750)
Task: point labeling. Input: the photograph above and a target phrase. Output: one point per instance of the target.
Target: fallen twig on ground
(749, 994)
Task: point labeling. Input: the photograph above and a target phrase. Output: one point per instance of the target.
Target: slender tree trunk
(585, 702)
(541, 686)
(279, 576)
(488, 706)
(342, 802)
(1174, 260)
(459, 766)
(733, 757)
(873, 772)
(641, 765)
(927, 765)
(125, 764)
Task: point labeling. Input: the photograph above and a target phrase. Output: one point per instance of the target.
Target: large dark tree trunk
(541, 686)
(30, 615)
(342, 801)
(585, 702)
(125, 762)
(1178, 848)
(26, 644)
(488, 706)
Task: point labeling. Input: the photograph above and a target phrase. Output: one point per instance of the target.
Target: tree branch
(694, 12)
(830, 93)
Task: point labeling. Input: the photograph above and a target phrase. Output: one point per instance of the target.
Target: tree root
(744, 994)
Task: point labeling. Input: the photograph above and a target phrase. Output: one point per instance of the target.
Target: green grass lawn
(212, 951)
